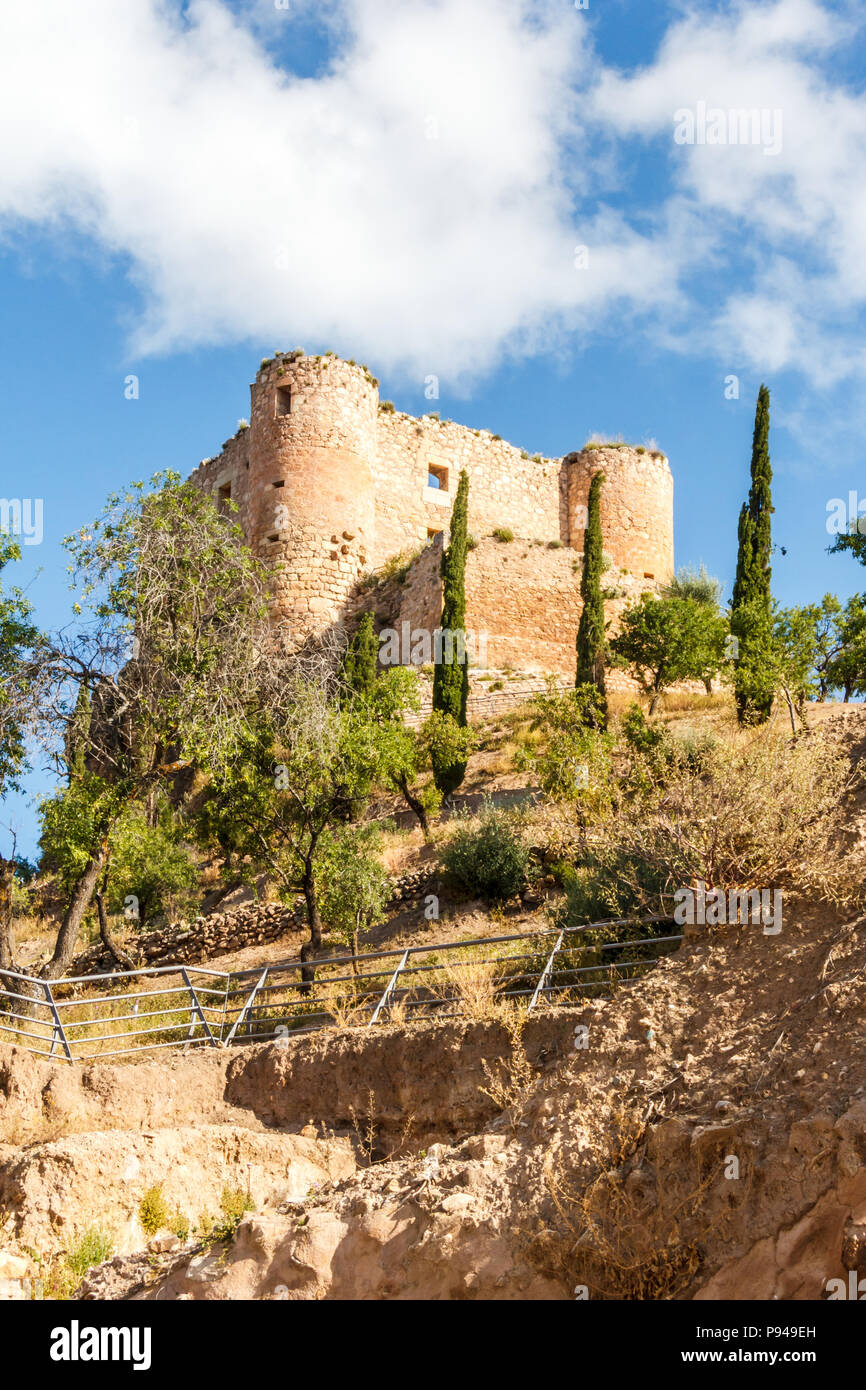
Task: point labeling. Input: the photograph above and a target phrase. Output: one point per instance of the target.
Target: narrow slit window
(224, 497)
(284, 400)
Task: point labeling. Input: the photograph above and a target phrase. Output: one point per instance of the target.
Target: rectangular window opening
(284, 400)
(437, 476)
(224, 496)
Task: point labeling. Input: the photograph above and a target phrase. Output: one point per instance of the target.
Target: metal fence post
(247, 1006)
(389, 990)
(197, 1009)
(58, 1031)
(545, 974)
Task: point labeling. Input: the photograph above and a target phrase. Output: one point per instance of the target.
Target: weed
(153, 1210)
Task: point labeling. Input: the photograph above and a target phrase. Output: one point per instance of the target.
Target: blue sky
(184, 189)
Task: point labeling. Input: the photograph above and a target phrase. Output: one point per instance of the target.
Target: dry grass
(627, 1233)
(472, 984)
(510, 1082)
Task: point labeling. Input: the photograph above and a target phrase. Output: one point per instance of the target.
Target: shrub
(765, 812)
(153, 1211)
(488, 858)
(234, 1205)
(570, 758)
(504, 534)
(93, 1248)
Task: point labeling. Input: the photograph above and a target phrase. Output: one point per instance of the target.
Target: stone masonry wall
(330, 485)
(506, 488)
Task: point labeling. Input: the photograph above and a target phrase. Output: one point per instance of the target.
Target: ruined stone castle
(348, 501)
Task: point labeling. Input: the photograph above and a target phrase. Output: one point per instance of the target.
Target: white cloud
(791, 226)
(253, 204)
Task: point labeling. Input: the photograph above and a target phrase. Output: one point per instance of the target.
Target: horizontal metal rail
(222, 1007)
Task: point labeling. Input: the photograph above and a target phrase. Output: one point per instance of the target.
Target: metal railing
(113, 1015)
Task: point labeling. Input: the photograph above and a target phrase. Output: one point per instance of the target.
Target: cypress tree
(590, 632)
(751, 604)
(360, 663)
(451, 673)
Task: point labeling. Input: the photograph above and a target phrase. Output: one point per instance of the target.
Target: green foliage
(166, 574)
(235, 1202)
(448, 745)
(665, 640)
(361, 660)
(751, 616)
(572, 763)
(311, 764)
(695, 584)
(150, 861)
(73, 819)
(591, 643)
(451, 677)
(146, 856)
(847, 668)
(354, 888)
(94, 1247)
(489, 859)
(504, 534)
(153, 1212)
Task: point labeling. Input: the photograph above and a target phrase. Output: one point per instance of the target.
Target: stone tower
(637, 507)
(311, 503)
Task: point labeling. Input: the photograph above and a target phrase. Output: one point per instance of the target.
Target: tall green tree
(169, 658)
(590, 632)
(751, 605)
(451, 671)
(361, 661)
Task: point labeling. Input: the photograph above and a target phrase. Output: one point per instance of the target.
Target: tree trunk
(82, 894)
(7, 947)
(708, 684)
(415, 805)
(355, 951)
(790, 709)
(312, 947)
(118, 956)
(654, 702)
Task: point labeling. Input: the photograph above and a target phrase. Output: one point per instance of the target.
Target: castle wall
(523, 599)
(505, 488)
(330, 485)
